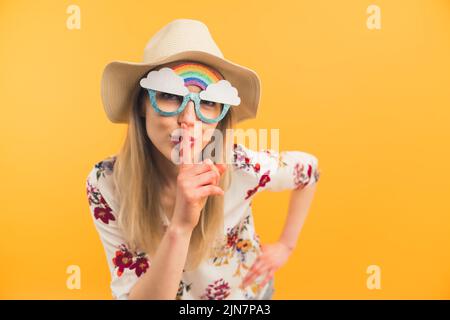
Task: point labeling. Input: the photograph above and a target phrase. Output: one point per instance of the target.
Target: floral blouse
(220, 276)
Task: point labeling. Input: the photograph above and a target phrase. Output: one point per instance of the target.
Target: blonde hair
(137, 184)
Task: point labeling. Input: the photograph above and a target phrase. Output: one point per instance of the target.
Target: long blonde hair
(137, 184)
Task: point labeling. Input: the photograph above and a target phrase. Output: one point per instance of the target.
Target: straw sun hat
(181, 39)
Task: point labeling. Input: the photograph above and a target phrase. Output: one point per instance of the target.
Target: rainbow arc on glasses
(196, 74)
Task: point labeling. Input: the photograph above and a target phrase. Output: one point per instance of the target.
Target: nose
(188, 116)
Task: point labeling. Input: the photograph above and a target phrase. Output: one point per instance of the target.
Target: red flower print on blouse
(232, 238)
(141, 265)
(218, 290)
(301, 178)
(102, 210)
(122, 260)
(242, 161)
(263, 180)
(104, 214)
(238, 246)
(125, 259)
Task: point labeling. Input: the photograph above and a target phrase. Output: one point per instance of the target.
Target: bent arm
(299, 204)
(161, 281)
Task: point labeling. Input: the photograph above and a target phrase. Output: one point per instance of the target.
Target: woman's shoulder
(103, 168)
(100, 178)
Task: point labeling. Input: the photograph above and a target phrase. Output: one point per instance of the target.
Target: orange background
(372, 105)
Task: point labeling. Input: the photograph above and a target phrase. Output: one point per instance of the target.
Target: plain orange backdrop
(372, 105)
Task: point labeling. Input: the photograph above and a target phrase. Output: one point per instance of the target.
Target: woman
(174, 223)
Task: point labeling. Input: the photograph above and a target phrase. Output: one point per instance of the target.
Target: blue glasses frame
(194, 96)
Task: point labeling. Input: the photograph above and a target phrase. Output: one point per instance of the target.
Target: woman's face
(161, 129)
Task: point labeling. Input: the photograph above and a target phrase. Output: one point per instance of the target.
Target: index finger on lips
(185, 146)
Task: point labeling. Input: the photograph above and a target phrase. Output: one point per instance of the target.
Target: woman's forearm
(162, 279)
(299, 204)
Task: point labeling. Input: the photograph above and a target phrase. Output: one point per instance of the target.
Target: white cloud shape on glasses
(165, 80)
(221, 92)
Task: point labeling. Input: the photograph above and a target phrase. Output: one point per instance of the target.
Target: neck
(167, 173)
(167, 170)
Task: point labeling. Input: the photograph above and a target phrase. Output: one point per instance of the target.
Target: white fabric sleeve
(278, 171)
(125, 266)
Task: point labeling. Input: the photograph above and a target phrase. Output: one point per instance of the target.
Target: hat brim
(120, 84)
